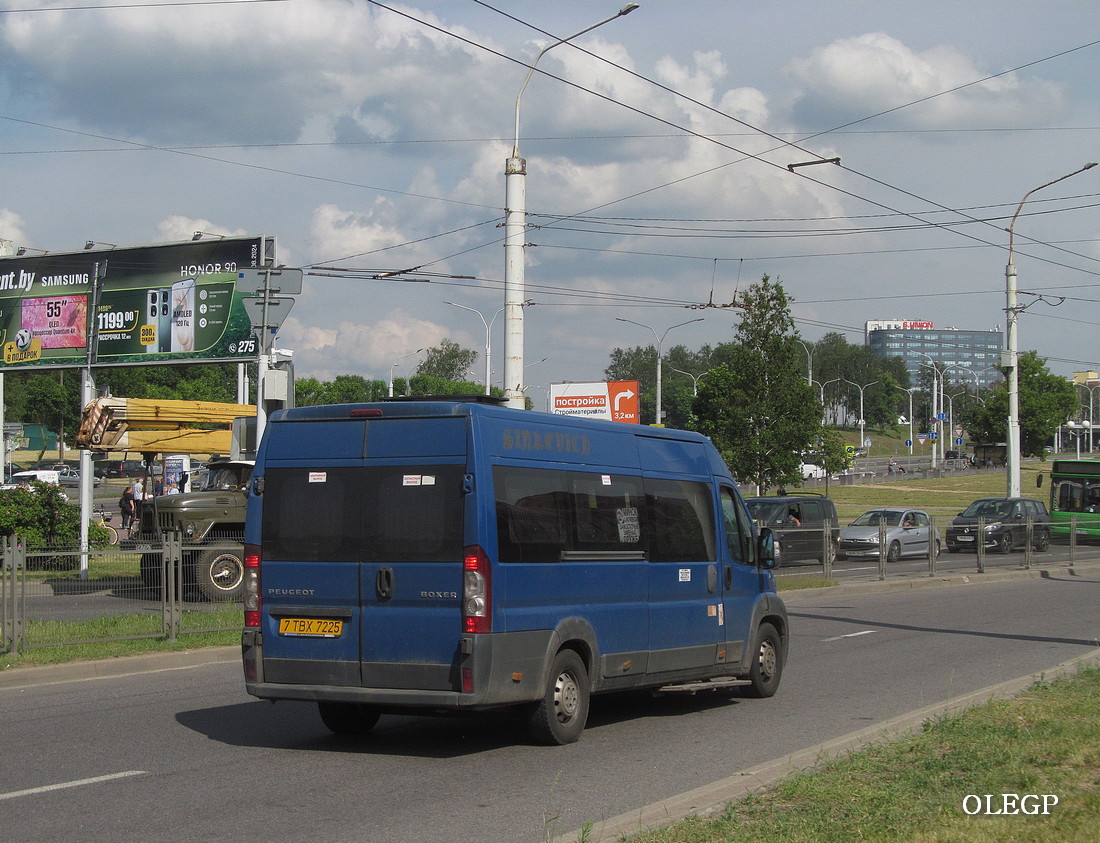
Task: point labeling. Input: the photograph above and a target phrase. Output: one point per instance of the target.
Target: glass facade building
(967, 356)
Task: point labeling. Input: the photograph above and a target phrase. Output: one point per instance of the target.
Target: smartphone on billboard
(183, 315)
(152, 319)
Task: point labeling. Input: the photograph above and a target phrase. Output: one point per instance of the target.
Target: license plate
(314, 627)
(965, 538)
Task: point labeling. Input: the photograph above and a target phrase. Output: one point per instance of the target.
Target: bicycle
(103, 518)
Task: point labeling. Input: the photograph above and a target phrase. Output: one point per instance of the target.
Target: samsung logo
(439, 594)
(292, 592)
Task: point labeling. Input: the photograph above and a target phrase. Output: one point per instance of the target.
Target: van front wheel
(559, 717)
(348, 718)
(767, 663)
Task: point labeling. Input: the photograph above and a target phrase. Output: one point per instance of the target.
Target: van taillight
(477, 591)
(253, 603)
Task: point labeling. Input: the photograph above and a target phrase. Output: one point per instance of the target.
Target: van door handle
(729, 576)
(383, 583)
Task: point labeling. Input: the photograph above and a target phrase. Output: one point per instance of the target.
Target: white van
(53, 477)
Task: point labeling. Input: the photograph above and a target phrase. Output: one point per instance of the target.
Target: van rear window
(364, 513)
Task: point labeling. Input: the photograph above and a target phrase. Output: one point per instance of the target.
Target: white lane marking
(850, 635)
(78, 783)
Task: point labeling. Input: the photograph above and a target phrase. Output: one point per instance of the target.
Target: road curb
(712, 798)
(52, 674)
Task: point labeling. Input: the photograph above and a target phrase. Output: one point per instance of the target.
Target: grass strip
(1043, 741)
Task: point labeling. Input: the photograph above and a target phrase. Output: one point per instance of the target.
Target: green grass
(1044, 741)
(44, 638)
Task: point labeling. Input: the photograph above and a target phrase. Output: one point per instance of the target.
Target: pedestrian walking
(126, 507)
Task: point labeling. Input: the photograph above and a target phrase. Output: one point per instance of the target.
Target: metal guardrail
(44, 602)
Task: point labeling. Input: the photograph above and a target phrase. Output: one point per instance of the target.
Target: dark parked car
(119, 468)
(799, 523)
(1005, 525)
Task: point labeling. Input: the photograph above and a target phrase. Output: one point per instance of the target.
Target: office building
(968, 357)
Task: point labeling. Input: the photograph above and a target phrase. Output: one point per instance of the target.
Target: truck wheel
(767, 663)
(219, 572)
(152, 569)
(348, 718)
(559, 717)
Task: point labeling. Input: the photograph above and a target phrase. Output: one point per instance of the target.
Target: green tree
(758, 407)
(448, 361)
(1046, 401)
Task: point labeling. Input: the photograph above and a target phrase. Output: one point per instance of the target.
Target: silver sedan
(907, 531)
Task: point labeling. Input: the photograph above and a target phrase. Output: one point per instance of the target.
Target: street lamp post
(488, 338)
(515, 224)
(694, 379)
(822, 386)
(909, 392)
(860, 388)
(660, 341)
(809, 362)
(1012, 313)
(1076, 428)
(397, 363)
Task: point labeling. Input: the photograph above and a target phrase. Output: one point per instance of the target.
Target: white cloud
(12, 228)
(860, 76)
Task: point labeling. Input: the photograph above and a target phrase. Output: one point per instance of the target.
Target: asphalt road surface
(185, 753)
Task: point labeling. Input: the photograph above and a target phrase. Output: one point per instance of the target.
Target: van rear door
(374, 541)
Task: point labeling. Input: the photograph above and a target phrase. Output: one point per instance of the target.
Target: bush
(44, 519)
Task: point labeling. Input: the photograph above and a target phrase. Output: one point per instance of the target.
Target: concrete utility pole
(515, 227)
(1012, 353)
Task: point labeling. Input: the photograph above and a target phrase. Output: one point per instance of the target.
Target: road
(188, 754)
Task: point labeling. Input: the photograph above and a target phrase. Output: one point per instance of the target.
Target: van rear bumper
(507, 669)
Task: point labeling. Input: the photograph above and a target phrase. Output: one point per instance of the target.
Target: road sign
(867, 442)
(921, 437)
(277, 310)
(941, 416)
(909, 443)
(958, 440)
(959, 432)
(279, 279)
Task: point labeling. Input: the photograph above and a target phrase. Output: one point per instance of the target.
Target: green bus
(1075, 496)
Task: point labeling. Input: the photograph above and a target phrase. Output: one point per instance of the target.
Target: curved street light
(660, 342)
(861, 389)
(1012, 313)
(488, 337)
(515, 223)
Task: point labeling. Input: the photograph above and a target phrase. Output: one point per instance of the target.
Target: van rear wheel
(348, 718)
(560, 716)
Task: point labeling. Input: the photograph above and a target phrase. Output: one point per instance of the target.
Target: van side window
(542, 513)
(683, 521)
(738, 529)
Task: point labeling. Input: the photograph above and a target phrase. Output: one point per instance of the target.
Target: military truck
(211, 524)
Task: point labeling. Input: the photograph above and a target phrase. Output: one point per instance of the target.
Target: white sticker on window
(606, 478)
(411, 480)
(630, 531)
(428, 480)
(685, 575)
(318, 477)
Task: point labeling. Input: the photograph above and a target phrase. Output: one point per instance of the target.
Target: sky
(370, 138)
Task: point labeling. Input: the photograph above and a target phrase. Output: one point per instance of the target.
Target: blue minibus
(450, 554)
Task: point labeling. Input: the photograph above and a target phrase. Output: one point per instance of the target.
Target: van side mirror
(766, 549)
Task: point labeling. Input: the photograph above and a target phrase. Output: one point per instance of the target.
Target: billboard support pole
(263, 345)
(87, 395)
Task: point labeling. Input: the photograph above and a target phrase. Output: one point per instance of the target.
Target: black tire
(560, 716)
(152, 569)
(937, 549)
(1042, 541)
(348, 718)
(951, 549)
(893, 552)
(831, 553)
(1004, 543)
(219, 573)
(767, 663)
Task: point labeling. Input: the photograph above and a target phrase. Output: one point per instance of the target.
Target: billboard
(611, 400)
(138, 305)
